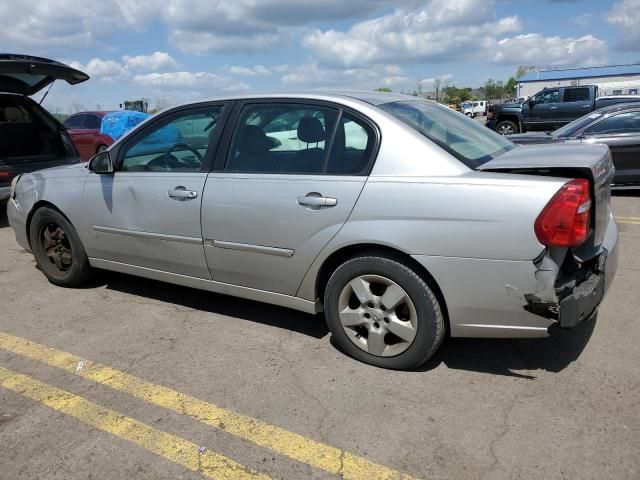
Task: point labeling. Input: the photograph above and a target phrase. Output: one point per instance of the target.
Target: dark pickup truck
(550, 109)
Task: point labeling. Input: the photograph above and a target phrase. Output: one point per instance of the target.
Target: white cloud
(535, 49)
(99, 69)
(625, 15)
(433, 32)
(248, 71)
(313, 75)
(201, 81)
(153, 62)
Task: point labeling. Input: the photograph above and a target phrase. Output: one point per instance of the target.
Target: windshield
(570, 129)
(465, 139)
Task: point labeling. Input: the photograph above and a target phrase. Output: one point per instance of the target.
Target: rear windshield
(464, 138)
(571, 128)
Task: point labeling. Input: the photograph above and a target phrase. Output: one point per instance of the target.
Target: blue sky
(171, 51)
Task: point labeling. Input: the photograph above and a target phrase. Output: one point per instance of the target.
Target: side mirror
(532, 102)
(101, 163)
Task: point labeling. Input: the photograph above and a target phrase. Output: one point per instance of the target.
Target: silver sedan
(399, 218)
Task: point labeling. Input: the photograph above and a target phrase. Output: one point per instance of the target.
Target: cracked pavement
(559, 408)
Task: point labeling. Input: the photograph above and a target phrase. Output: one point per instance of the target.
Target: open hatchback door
(26, 75)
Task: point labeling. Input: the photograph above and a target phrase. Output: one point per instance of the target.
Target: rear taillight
(5, 176)
(565, 220)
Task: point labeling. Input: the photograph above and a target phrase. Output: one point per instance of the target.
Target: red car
(84, 128)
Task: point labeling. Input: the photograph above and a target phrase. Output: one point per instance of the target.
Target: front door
(540, 113)
(147, 213)
(288, 185)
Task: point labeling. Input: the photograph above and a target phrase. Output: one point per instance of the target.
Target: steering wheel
(182, 146)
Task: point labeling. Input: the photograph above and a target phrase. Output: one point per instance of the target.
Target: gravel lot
(562, 407)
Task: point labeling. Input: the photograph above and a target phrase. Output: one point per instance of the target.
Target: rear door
(147, 213)
(576, 102)
(621, 132)
(292, 173)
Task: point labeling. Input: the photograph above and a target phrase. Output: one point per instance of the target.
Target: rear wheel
(58, 250)
(506, 127)
(381, 312)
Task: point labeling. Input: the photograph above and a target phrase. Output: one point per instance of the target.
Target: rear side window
(92, 122)
(627, 122)
(465, 139)
(299, 139)
(575, 95)
(74, 121)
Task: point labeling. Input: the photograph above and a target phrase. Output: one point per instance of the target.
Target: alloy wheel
(377, 315)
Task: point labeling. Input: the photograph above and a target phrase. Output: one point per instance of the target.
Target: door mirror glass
(101, 163)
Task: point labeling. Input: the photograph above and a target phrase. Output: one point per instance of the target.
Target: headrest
(253, 140)
(14, 114)
(310, 130)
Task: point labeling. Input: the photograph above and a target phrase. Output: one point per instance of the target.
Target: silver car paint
(473, 231)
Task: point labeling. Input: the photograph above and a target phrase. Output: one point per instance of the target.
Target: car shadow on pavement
(507, 356)
(313, 326)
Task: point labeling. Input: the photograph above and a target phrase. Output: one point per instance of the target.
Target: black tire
(75, 274)
(507, 127)
(431, 327)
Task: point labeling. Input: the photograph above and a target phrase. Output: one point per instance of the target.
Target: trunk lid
(531, 138)
(27, 75)
(592, 162)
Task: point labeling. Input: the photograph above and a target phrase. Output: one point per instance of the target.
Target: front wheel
(58, 250)
(381, 312)
(506, 127)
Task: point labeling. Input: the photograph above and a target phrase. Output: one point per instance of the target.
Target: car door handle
(181, 193)
(315, 200)
(553, 108)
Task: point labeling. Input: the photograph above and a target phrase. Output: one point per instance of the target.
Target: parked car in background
(94, 132)
(550, 109)
(617, 126)
(359, 205)
(474, 108)
(30, 137)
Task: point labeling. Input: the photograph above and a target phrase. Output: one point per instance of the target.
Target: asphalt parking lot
(131, 378)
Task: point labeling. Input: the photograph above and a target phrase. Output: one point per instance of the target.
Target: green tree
(523, 69)
(510, 87)
(383, 89)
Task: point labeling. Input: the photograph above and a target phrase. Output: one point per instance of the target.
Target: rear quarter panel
(477, 215)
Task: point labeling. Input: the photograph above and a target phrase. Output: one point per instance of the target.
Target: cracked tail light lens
(565, 220)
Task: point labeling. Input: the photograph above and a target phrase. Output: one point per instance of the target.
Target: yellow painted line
(628, 220)
(292, 445)
(171, 447)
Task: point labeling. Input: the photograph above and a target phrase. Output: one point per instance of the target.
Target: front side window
(575, 95)
(465, 139)
(548, 96)
(281, 138)
(627, 122)
(178, 143)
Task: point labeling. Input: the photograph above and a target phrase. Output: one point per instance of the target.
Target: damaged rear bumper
(579, 287)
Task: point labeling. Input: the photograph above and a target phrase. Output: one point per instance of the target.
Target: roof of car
(618, 106)
(99, 113)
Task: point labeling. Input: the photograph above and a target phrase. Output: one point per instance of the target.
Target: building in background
(611, 80)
